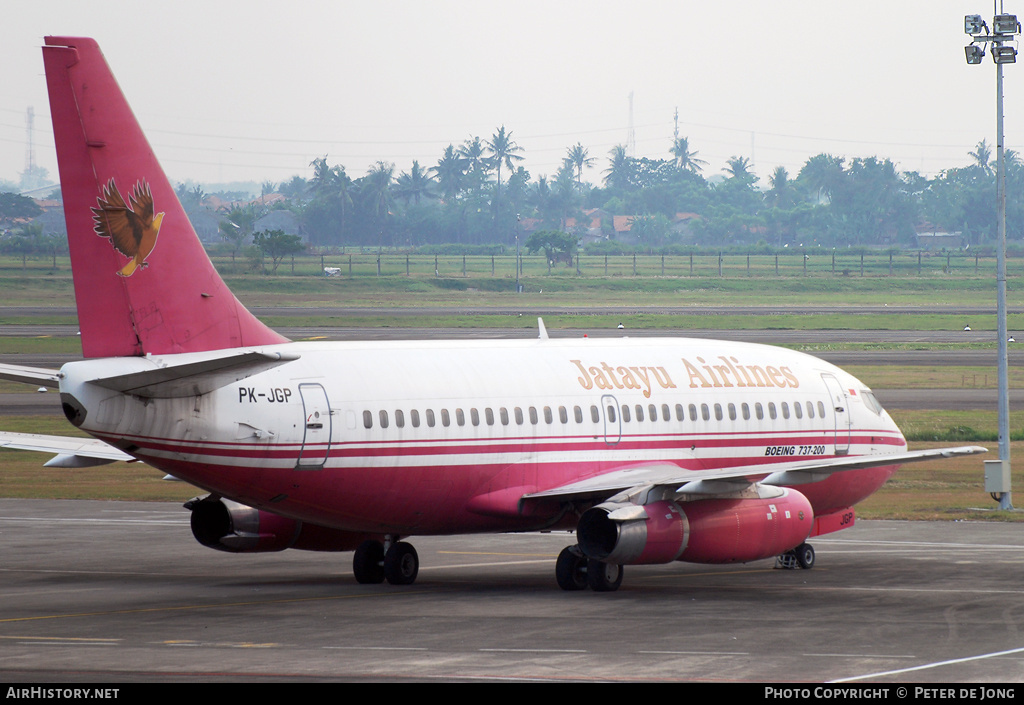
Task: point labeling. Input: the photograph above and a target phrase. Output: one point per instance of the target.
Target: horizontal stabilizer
(36, 376)
(69, 452)
(192, 378)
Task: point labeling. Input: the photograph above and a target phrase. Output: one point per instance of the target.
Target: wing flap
(722, 480)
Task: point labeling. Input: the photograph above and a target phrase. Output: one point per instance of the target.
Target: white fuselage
(404, 435)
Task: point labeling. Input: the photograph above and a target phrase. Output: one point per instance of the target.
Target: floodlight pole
(1004, 376)
(1005, 29)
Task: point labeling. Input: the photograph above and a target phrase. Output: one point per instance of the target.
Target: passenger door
(316, 438)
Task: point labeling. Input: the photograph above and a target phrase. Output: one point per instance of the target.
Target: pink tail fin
(143, 281)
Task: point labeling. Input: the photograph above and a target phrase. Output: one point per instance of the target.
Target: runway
(120, 592)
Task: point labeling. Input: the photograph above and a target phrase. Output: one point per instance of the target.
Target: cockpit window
(871, 402)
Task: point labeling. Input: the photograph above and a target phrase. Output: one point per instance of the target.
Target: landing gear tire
(571, 569)
(368, 563)
(401, 564)
(804, 555)
(604, 577)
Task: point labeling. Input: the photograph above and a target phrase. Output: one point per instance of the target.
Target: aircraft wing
(732, 479)
(68, 452)
(29, 375)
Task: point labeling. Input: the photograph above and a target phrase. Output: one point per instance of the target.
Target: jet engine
(237, 528)
(719, 530)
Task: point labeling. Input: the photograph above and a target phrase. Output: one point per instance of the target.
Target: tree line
(479, 193)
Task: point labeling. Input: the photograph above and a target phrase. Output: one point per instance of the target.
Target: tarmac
(119, 592)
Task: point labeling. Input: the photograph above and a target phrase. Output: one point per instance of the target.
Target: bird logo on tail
(132, 228)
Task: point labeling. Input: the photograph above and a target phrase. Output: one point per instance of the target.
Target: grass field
(966, 282)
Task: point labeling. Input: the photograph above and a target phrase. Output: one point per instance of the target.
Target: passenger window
(611, 414)
(745, 408)
(785, 410)
(595, 414)
(383, 419)
(367, 419)
(810, 410)
(578, 414)
(460, 417)
(445, 418)
(821, 410)
(474, 417)
(705, 412)
(652, 412)
(732, 412)
(414, 417)
(533, 415)
(693, 412)
(503, 415)
(639, 412)
(771, 410)
(625, 413)
(798, 410)
(548, 417)
(519, 416)
(430, 418)
(680, 414)
(718, 412)
(563, 414)
(399, 418)
(758, 410)
(489, 416)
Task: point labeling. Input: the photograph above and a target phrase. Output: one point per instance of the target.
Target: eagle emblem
(132, 228)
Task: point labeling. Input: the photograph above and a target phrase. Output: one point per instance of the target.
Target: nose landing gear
(800, 557)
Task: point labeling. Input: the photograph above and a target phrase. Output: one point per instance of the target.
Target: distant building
(936, 240)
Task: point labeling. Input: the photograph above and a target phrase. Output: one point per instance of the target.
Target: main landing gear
(800, 557)
(398, 563)
(574, 571)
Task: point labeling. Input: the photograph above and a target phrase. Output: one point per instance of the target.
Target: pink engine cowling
(718, 530)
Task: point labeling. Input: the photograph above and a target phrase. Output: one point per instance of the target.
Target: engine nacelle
(237, 528)
(723, 530)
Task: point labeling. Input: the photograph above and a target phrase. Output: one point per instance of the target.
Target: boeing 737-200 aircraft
(652, 450)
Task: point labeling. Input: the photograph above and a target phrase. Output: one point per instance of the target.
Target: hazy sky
(252, 89)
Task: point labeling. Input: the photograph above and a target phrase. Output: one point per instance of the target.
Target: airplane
(650, 450)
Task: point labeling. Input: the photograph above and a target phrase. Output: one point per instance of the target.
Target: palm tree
(472, 154)
(685, 159)
(377, 185)
(503, 151)
(578, 158)
(739, 168)
(982, 156)
(780, 195)
(414, 185)
(823, 173)
(450, 173)
(617, 173)
(323, 177)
